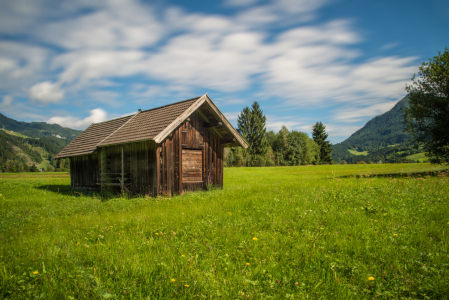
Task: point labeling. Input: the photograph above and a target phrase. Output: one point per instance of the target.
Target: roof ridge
(118, 128)
(194, 98)
(112, 119)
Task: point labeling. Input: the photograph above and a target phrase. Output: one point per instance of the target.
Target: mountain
(37, 129)
(26, 145)
(382, 139)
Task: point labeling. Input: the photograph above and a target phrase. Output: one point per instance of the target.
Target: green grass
(418, 156)
(44, 164)
(355, 152)
(14, 133)
(321, 233)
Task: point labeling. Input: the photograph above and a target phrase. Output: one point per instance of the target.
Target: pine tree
(319, 136)
(251, 125)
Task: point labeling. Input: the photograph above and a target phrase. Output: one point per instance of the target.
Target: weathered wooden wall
(84, 171)
(191, 135)
(139, 167)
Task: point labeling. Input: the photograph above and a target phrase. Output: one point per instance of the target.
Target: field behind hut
(309, 232)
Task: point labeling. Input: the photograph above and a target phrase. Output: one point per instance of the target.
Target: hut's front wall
(84, 171)
(139, 163)
(184, 144)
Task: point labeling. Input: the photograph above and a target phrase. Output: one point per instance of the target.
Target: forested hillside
(27, 146)
(37, 129)
(382, 139)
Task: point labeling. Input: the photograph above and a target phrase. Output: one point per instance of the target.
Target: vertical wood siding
(139, 167)
(84, 171)
(191, 135)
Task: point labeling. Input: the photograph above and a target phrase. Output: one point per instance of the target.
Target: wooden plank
(158, 169)
(164, 167)
(213, 125)
(192, 165)
(123, 170)
(170, 166)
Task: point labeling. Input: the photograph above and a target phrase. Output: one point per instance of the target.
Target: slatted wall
(139, 167)
(84, 171)
(191, 135)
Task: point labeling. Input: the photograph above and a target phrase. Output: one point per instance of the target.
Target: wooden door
(192, 166)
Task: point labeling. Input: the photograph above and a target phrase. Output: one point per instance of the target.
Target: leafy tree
(33, 168)
(251, 125)
(280, 147)
(319, 136)
(426, 117)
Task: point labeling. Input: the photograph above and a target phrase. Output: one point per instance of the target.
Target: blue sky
(339, 62)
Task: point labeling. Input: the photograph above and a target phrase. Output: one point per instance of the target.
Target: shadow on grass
(441, 173)
(85, 192)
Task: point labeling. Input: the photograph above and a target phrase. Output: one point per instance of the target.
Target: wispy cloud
(270, 49)
(357, 114)
(96, 115)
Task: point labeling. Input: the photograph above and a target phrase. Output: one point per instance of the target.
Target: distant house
(165, 150)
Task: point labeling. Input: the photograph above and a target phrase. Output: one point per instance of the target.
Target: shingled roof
(88, 140)
(153, 124)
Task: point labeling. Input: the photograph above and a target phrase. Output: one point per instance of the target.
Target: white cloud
(96, 115)
(264, 44)
(7, 100)
(239, 3)
(46, 92)
(21, 65)
(389, 46)
(357, 114)
(120, 24)
(232, 116)
(337, 132)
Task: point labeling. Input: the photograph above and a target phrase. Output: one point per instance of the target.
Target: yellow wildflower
(247, 264)
(35, 272)
(182, 255)
(230, 213)
(395, 234)
(371, 278)
(156, 233)
(172, 280)
(186, 285)
(254, 239)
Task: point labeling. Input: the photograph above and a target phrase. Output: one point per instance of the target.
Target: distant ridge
(25, 145)
(383, 137)
(37, 129)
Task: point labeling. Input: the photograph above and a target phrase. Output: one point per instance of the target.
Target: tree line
(284, 148)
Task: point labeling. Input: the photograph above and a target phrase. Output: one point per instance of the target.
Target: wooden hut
(166, 150)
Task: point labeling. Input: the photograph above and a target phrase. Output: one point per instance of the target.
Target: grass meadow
(308, 232)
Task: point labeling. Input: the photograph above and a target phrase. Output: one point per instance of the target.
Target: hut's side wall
(139, 161)
(191, 135)
(84, 171)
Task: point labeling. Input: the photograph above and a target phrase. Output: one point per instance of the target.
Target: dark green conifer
(319, 136)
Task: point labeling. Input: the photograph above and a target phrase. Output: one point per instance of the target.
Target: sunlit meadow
(309, 232)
